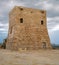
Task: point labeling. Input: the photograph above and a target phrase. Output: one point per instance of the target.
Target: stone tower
(27, 29)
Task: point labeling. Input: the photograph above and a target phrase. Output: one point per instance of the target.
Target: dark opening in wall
(21, 8)
(31, 12)
(21, 20)
(42, 12)
(44, 44)
(11, 30)
(41, 22)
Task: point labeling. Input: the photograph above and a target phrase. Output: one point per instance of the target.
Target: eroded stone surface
(27, 29)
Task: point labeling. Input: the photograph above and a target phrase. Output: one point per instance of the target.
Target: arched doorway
(43, 44)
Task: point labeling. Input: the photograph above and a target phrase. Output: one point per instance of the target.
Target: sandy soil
(40, 57)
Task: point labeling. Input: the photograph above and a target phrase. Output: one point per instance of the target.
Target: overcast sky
(51, 6)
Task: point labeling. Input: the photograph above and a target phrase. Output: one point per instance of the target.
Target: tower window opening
(41, 22)
(21, 20)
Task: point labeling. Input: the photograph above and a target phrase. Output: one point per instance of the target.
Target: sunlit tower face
(26, 30)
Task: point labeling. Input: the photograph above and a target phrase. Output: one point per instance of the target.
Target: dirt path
(41, 57)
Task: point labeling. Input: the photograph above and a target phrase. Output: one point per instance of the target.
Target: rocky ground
(40, 57)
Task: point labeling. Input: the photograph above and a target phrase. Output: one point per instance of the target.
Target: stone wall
(27, 29)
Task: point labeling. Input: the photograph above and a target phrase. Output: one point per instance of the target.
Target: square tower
(27, 29)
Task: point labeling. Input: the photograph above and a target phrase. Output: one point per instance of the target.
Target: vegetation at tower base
(54, 46)
(3, 45)
(27, 29)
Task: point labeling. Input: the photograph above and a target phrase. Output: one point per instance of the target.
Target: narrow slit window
(11, 30)
(21, 20)
(41, 22)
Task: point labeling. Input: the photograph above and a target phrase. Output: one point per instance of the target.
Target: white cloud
(47, 6)
(38, 3)
(44, 4)
(49, 19)
(1, 15)
(52, 22)
(54, 29)
(13, 3)
(8, 5)
(2, 29)
(1, 24)
(4, 32)
(53, 18)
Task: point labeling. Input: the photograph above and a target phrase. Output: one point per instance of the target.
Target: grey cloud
(51, 25)
(53, 22)
(1, 27)
(54, 9)
(52, 13)
(28, 1)
(53, 1)
(4, 20)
